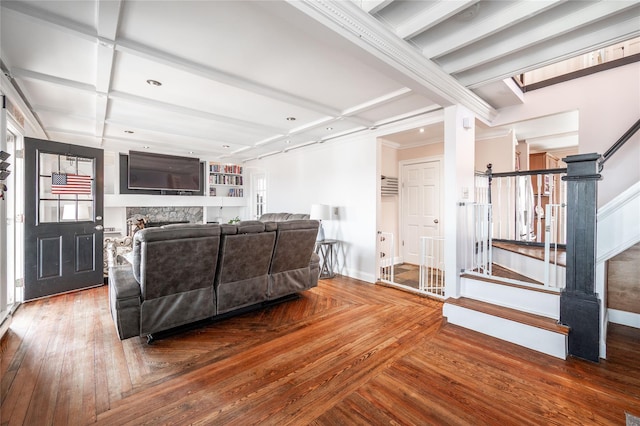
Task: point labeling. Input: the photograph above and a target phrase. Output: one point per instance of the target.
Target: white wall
(499, 151)
(343, 174)
(608, 103)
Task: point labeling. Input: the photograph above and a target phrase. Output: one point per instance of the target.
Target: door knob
(99, 228)
(435, 220)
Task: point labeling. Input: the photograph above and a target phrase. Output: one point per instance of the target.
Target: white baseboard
(624, 318)
(359, 275)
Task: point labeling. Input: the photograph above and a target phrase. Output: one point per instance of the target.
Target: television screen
(167, 172)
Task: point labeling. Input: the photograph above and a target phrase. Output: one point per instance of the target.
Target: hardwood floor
(346, 352)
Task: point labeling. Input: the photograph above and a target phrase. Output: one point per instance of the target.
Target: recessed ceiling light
(226, 146)
(329, 128)
(154, 83)
(145, 147)
(288, 141)
(190, 152)
(129, 131)
(291, 119)
(421, 130)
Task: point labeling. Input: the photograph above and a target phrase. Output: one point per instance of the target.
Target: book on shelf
(233, 169)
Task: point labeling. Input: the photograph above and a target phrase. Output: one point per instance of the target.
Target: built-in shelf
(225, 180)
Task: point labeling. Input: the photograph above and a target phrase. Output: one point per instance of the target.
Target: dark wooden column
(579, 303)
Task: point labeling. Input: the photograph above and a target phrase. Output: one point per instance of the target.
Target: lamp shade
(320, 212)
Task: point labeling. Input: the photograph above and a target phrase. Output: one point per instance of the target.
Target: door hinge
(402, 243)
(20, 282)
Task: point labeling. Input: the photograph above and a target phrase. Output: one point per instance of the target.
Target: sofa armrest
(124, 301)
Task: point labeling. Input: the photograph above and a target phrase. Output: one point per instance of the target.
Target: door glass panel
(45, 187)
(85, 166)
(48, 210)
(48, 163)
(68, 164)
(66, 188)
(85, 210)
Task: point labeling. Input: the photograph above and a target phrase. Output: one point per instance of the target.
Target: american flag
(63, 183)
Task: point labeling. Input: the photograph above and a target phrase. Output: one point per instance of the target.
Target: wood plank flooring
(346, 352)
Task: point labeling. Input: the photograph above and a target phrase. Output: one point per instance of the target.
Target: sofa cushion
(250, 227)
(274, 217)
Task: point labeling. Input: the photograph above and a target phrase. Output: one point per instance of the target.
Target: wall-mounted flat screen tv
(165, 172)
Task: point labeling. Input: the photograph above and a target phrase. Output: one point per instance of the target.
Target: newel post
(579, 304)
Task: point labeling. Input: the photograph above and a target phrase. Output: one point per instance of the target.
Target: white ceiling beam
(401, 60)
(378, 102)
(107, 19)
(479, 28)
(373, 6)
(128, 143)
(529, 34)
(164, 106)
(70, 84)
(431, 16)
(206, 141)
(154, 55)
(558, 49)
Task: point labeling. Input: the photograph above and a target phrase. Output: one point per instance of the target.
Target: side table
(325, 249)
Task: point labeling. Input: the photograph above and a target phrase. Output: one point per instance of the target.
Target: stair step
(534, 252)
(496, 280)
(515, 315)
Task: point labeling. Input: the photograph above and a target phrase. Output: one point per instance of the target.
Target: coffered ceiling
(245, 79)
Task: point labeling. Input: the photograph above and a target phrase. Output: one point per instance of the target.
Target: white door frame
(401, 217)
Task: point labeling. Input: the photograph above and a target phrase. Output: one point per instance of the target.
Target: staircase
(516, 311)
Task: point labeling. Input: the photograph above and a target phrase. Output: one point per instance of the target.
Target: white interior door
(420, 206)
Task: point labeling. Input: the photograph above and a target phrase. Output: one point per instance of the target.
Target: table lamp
(320, 212)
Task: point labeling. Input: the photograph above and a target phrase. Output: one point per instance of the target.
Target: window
(259, 194)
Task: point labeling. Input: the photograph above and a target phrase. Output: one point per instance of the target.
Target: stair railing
(618, 144)
(519, 200)
(554, 265)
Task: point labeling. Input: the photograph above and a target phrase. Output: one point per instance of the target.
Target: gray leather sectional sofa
(182, 274)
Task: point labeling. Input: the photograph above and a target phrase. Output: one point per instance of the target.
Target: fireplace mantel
(126, 200)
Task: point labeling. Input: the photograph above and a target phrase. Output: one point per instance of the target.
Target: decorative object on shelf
(320, 212)
(234, 220)
(136, 223)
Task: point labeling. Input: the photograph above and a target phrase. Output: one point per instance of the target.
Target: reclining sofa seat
(243, 264)
(294, 265)
(170, 282)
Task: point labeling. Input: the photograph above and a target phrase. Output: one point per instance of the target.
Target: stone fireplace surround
(166, 215)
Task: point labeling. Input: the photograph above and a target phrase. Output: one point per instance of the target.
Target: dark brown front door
(63, 217)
